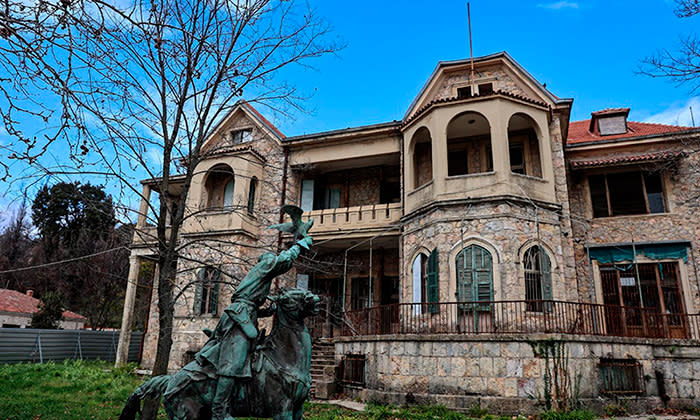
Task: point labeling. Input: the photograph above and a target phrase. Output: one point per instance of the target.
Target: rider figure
(232, 340)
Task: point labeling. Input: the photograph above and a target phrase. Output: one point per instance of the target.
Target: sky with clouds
(589, 50)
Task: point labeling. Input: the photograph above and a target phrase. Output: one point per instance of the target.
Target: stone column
(143, 208)
(128, 315)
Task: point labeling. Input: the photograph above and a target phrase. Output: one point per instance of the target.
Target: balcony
(521, 317)
(374, 217)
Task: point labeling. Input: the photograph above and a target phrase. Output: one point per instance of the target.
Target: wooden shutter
(433, 295)
(482, 276)
(198, 291)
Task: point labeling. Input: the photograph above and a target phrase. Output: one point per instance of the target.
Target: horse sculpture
(281, 378)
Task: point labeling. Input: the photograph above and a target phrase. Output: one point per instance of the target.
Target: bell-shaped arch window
(425, 283)
(524, 146)
(469, 145)
(219, 187)
(474, 278)
(538, 279)
(422, 158)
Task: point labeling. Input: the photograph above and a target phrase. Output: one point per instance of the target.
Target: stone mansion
(455, 245)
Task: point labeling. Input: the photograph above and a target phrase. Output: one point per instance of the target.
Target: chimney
(30, 293)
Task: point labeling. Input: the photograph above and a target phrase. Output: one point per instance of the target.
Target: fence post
(38, 343)
(80, 346)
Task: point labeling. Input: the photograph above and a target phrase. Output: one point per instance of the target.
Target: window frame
(245, 135)
(643, 174)
(206, 298)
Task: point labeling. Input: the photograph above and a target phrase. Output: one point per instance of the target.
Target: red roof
(629, 159)
(21, 303)
(579, 131)
(263, 120)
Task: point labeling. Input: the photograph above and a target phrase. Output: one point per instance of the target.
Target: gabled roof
(442, 65)
(580, 132)
(627, 159)
(254, 114)
(16, 302)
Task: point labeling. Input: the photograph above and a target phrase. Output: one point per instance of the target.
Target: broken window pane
(655, 193)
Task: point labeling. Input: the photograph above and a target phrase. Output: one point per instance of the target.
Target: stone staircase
(322, 369)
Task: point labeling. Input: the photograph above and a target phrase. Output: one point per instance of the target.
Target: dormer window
(485, 88)
(241, 136)
(609, 122)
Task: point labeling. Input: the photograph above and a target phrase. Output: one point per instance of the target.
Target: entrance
(644, 300)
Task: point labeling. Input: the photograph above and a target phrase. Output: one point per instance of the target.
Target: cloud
(678, 114)
(559, 5)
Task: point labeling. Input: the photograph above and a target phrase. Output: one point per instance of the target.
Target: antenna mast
(471, 50)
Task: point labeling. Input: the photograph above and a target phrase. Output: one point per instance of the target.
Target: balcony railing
(354, 218)
(520, 317)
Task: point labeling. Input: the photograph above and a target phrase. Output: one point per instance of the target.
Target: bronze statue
(237, 372)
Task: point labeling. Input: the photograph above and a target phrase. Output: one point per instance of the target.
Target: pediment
(500, 71)
(231, 132)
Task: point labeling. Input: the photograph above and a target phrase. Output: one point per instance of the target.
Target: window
(307, 194)
(353, 368)
(517, 158)
(426, 283)
(523, 146)
(422, 158)
(464, 92)
(219, 186)
(474, 277)
(621, 377)
(651, 296)
(485, 88)
(626, 193)
(251, 195)
(468, 145)
(206, 296)
(538, 278)
(241, 136)
(360, 293)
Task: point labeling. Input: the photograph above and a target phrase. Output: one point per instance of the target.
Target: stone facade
(502, 211)
(506, 374)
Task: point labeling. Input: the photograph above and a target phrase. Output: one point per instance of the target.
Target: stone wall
(506, 228)
(679, 223)
(506, 374)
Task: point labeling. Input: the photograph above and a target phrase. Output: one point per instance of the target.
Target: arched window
(475, 277)
(422, 158)
(219, 187)
(469, 145)
(425, 283)
(206, 296)
(523, 146)
(251, 195)
(538, 278)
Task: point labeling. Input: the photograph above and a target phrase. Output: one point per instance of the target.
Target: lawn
(94, 390)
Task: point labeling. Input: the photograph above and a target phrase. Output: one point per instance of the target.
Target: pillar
(128, 314)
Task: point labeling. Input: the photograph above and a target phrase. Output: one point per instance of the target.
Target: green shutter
(474, 277)
(546, 270)
(198, 291)
(433, 282)
(464, 277)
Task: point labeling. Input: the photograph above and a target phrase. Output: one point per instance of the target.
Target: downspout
(283, 196)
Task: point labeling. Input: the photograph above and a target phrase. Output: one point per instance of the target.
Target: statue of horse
(281, 373)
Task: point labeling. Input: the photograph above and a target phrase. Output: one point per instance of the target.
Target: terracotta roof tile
(628, 159)
(264, 120)
(429, 105)
(21, 303)
(579, 131)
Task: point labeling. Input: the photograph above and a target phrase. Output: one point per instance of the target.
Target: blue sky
(586, 50)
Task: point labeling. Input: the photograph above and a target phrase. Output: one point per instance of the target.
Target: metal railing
(520, 317)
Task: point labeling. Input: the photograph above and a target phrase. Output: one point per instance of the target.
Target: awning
(625, 253)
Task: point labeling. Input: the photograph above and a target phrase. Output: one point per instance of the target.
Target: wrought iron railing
(520, 317)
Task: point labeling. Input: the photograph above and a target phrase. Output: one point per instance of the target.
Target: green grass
(70, 390)
(94, 390)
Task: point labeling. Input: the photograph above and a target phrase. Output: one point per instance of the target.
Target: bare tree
(681, 66)
(121, 81)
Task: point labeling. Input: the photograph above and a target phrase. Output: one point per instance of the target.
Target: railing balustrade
(520, 317)
(360, 217)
